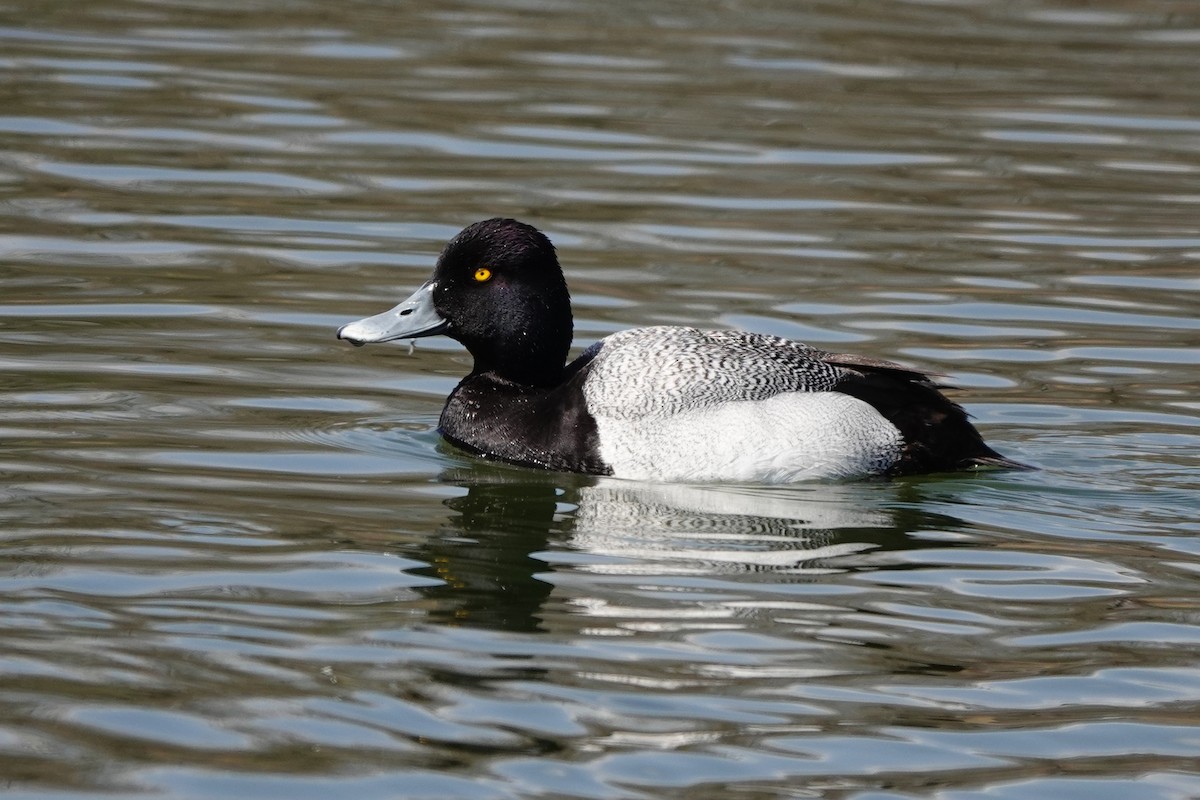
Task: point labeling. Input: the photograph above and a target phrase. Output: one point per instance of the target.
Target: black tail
(938, 435)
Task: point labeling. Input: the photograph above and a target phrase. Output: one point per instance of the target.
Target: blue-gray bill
(412, 319)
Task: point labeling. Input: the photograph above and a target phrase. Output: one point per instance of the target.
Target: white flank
(789, 437)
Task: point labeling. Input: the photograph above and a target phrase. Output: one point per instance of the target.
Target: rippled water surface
(237, 562)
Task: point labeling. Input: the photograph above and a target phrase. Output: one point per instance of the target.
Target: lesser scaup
(659, 403)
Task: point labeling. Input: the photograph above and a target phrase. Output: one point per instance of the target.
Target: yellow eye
(483, 274)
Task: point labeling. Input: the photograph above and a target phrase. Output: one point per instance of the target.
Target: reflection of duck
(512, 531)
(484, 552)
(662, 403)
(698, 529)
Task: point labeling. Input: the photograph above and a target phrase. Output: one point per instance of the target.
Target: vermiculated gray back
(695, 369)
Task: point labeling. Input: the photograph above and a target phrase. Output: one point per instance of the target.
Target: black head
(499, 286)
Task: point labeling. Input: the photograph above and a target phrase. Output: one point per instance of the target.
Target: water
(238, 562)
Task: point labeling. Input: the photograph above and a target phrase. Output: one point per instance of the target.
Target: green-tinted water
(238, 562)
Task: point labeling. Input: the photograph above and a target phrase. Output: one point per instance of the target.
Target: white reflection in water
(677, 529)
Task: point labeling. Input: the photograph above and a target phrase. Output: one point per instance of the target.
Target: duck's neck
(528, 356)
(527, 373)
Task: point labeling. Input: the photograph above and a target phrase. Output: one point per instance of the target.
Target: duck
(662, 403)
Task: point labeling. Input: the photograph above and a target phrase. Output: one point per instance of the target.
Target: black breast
(547, 427)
